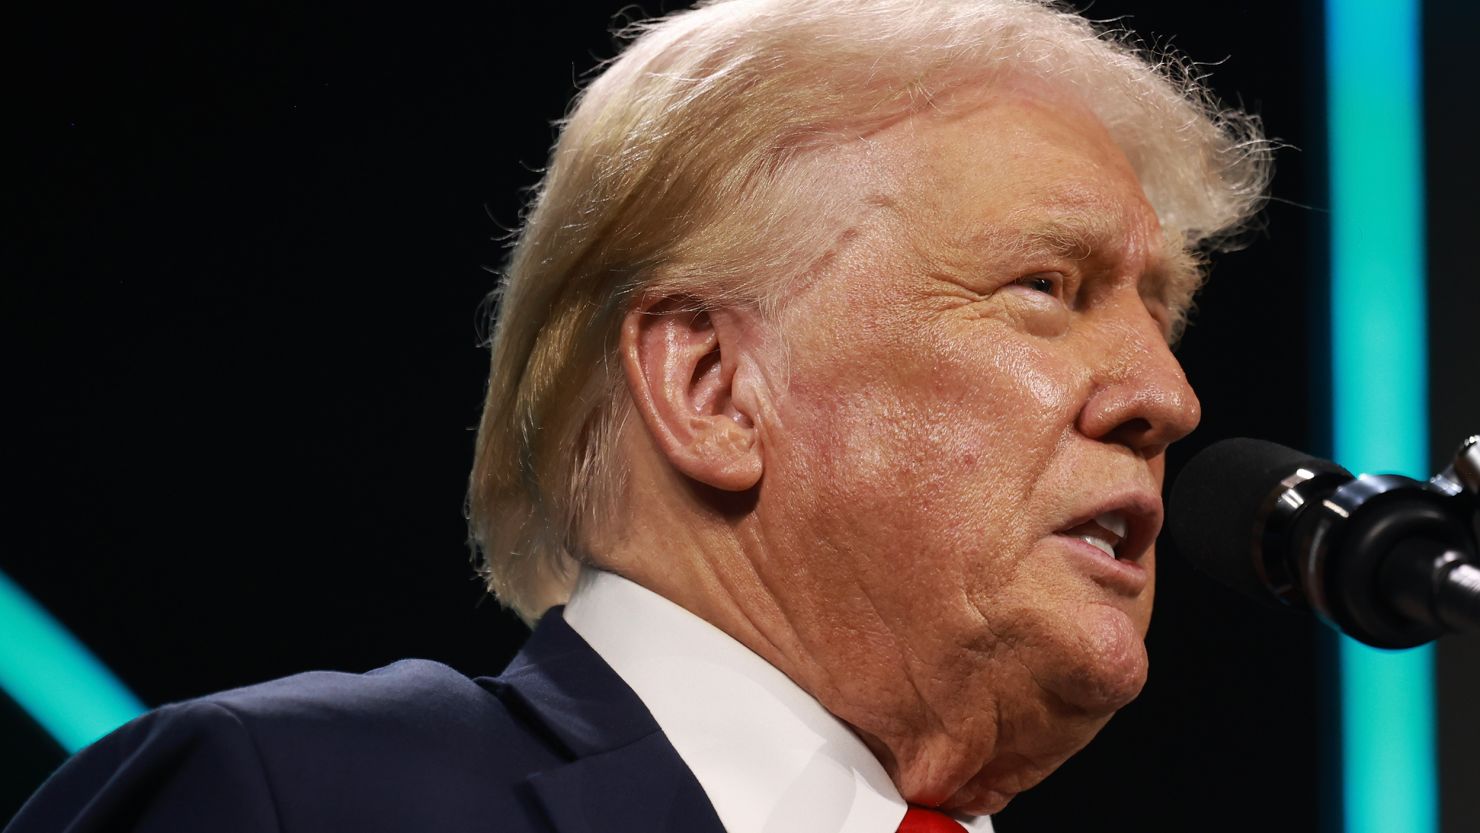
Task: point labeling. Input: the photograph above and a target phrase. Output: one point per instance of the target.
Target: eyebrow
(1076, 233)
(1173, 276)
(1173, 271)
(1076, 240)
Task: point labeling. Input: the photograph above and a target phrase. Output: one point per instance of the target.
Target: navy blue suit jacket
(556, 743)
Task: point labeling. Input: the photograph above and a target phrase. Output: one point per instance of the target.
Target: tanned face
(978, 393)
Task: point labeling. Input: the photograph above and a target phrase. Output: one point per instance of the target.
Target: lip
(1126, 577)
(1143, 515)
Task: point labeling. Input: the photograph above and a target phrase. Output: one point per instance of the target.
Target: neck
(960, 727)
(716, 566)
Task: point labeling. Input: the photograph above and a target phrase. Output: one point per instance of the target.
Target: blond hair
(678, 172)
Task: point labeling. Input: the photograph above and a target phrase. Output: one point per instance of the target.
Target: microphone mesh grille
(1216, 504)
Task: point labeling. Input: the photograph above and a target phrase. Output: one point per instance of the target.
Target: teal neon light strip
(1387, 724)
(1379, 382)
(54, 678)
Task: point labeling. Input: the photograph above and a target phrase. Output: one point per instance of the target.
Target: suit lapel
(643, 786)
(622, 774)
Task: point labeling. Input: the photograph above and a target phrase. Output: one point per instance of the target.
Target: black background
(241, 329)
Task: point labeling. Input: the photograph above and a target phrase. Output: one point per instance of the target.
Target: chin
(1101, 668)
(1113, 665)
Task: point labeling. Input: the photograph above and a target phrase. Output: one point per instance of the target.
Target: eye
(1040, 302)
(1048, 284)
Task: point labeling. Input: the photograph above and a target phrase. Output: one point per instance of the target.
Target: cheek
(937, 437)
(953, 379)
(1029, 390)
(883, 467)
(1010, 408)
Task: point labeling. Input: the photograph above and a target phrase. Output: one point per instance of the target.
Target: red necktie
(924, 820)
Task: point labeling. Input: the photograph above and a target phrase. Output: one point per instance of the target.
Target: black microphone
(1385, 559)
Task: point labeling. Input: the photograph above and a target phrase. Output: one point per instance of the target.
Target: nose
(1140, 397)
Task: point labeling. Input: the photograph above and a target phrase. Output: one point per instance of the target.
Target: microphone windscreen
(1217, 503)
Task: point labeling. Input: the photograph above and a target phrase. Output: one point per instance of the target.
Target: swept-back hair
(679, 171)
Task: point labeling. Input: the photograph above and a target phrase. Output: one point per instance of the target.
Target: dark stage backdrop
(246, 254)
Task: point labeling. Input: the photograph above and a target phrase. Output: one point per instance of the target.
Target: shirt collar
(769, 756)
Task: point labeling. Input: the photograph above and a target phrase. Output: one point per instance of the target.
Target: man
(831, 388)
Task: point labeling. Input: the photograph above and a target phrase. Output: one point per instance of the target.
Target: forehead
(1021, 170)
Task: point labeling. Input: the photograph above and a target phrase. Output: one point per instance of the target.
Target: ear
(695, 384)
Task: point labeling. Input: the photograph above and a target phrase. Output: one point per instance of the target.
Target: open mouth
(1104, 532)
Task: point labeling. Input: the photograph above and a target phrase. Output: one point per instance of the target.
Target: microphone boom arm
(1387, 559)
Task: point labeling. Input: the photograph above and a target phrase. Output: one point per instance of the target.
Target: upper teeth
(1113, 521)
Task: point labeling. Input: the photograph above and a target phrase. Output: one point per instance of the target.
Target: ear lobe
(680, 364)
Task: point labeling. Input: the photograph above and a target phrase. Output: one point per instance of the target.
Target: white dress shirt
(769, 756)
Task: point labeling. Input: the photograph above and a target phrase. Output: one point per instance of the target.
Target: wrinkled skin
(979, 365)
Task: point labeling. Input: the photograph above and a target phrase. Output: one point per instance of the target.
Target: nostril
(1132, 432)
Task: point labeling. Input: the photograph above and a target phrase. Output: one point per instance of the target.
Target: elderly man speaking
(824, 441)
